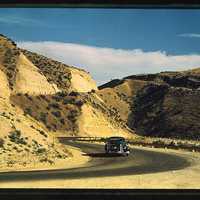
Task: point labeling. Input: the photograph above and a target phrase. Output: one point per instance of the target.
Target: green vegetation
(41, 150)
(1, 143)
(54, 105)
(68, 101)
(72, 115)
(15, 136)
(43, 117)
(56, 113)
(28, 111)
(10, 59)
(62, 121)
(42, 133)
(46, 160)
(79, 103)
(73, 93)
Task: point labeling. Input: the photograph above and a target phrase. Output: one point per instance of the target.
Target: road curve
(138, 162)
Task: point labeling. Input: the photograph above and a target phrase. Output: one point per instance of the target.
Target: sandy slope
(93, 122)
(70, 162)
(37, 103)
(4, 87)
(81, 81)
(29, 80)
(121, 96)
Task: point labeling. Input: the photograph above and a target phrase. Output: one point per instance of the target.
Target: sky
(109, 43)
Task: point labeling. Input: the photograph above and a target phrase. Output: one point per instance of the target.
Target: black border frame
(186, 4)
(57, 194)
(42, 194)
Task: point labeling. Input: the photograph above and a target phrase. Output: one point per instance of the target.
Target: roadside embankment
(189, 145)
(74, 160)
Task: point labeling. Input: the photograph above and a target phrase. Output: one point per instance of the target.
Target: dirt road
(139, 162)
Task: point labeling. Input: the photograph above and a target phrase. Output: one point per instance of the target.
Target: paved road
(138, 162)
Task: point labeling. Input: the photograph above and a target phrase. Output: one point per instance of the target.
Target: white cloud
(190, 35)
(105, 64)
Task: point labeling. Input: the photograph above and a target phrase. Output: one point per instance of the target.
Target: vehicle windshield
(115, 141)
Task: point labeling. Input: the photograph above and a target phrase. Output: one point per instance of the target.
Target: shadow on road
(103, 155)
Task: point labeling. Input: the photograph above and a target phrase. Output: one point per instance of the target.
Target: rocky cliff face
(66, 78)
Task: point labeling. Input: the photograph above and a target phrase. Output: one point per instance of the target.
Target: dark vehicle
(117, 145)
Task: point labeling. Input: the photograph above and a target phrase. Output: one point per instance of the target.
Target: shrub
(1, 143)
(34, 141)
(68, 101)
(18, 120)
(43, 133)
(15, 136)
(55, 127)
(79, 103)
(32, 126)
(54, 105)
(42, 96)
(72, 114)
(30, 98)
(28, 111)
(62, 94)
(47, 160)
(26, 149)
(9, 74)
(56, 114)
(5, 115)
(57, 98)
(73, 93)
(43, 117)
(41, 150)
(62, 121)
(15, 148)
(65, 101)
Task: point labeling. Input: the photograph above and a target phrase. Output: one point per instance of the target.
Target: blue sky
(171, 32)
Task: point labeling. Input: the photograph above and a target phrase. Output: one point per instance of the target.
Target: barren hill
(164, 104)
(41, 99)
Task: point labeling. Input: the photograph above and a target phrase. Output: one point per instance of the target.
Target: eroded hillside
(41, 99)
(164, 104)
(64, 77)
